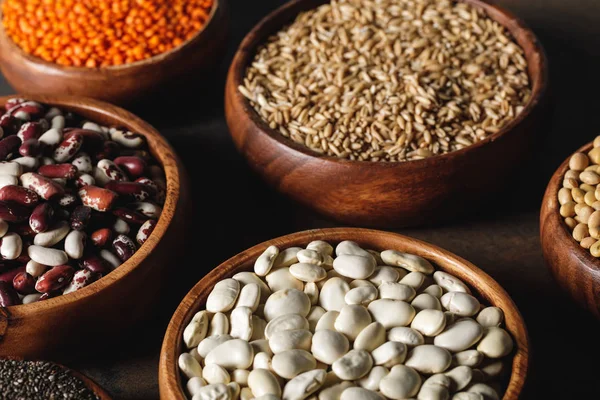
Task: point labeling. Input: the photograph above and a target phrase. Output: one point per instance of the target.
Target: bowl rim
(170, 380)
(553, 211)
(252, 40)
(173, 177)
(50, 66)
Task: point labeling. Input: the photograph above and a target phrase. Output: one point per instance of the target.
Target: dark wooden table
(234, 210)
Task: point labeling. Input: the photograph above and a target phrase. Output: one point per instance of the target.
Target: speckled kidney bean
(41, 218)
(62, 174)
(145, 231)
(55, 279)
(9, 146)
(67, 148)
(130, 216)
(80, 217)
(98, 198)
(24, 283)
(46, 188)
(101, 237)
(20, 195)
(66, 171)
(133, 165)
(124, 247)
(135, 191)
(30, 130)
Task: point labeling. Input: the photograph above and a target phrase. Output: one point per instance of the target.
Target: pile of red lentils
(102, 33)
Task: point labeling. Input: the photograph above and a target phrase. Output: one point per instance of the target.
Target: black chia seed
(31, 380)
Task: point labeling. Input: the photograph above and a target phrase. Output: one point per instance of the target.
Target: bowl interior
(110, 115)
(534, 53)
(482, 285)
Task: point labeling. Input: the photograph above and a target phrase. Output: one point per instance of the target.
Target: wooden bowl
(482, 285)
(66, 325)
(573, 267)
(121, 84)
(88, 382)
(377, 193)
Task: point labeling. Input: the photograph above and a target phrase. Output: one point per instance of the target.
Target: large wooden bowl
(383, 194)
(66, 325)
(573, 267)
(482, 285)
(121, 84)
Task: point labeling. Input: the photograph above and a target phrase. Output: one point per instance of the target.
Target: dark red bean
(101, 237)
(8, 146)
(24, 283)
(13, 212)
(13, 102)
(54, 279)
(23, 229)
(124, 247)
(8, 276)
(98, 198)
(134, 166)
(41, 218)
(8, 295)
(30, 148)
(134, 191)
(35, 110)
(46, 188)
(109, 151)
(20, 195)
(95, 263)
(130, 216)
(80, 217)
(66, 171)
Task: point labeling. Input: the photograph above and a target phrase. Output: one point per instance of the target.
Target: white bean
(291, 363)
(389, 354)
(384, 274)
(285, 322)
(459, 303)
(219, 324)
(496, 343)
(333, 294)
(249, 296)
(45, 256)
(373, 378)
(265, 261)
(426, 301)
(357, 393)
(354, 266)
(408, 336)
(218, 391)
(449, 282)
(429, 359)
(196, 330)
(286, 257)
(429, 322)
(75, 244)
(371, 337)
(286, 301)
(396, 291)
(303, 385)
(328, 346)
(361, 295)
(223, 296)
(306, 272)
(245, 278)
(281, 279)
(189, 365)
(12, 246)
(233, 354)
(241, 323)
(327, 321)
(490, 316)
(407, 261)
(391, 313)
(213, 373)
(262, 382)
(210, 343)
(291, 339)
(353, 365)
(352, 320)
(460, 336)
(401, 383)
(320, 246)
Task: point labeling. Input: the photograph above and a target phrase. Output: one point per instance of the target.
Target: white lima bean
(317, 325)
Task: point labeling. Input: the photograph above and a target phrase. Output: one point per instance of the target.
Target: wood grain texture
(573, 267)
(481, 284)
(122, 84)
(65, 325)
(383, 194)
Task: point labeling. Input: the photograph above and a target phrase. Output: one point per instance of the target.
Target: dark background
(234, 210)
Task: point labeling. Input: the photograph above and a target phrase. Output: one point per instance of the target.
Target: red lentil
(100, 33)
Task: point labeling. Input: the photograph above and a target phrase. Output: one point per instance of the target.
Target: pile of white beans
(362, 326)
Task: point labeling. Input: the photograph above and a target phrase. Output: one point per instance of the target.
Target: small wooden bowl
(573, 267)
(121, 84)
(66, 325)
(377, 193)
(88, 382)
(482, 285)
